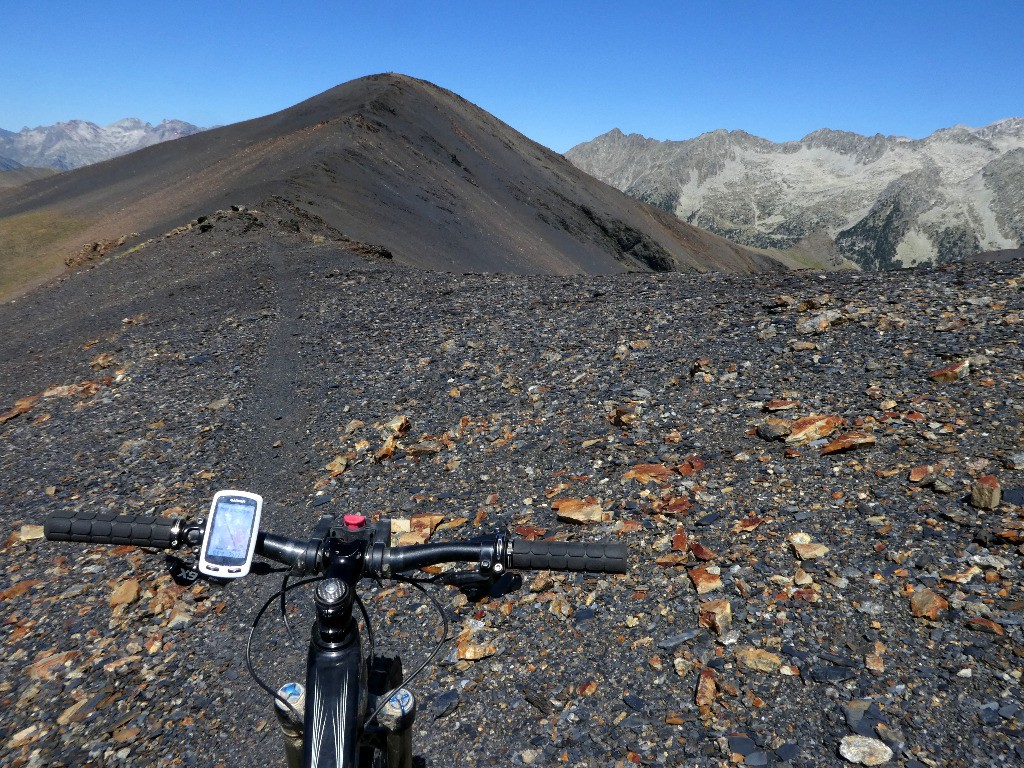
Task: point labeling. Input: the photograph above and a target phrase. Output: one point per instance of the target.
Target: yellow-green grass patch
(27, 248)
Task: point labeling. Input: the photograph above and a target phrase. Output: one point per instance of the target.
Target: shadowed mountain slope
(16, 176)
(390, 161)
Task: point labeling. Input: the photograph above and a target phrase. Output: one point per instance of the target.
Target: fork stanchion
(290, 721)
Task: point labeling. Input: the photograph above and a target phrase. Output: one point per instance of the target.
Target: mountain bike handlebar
(333, 728)
(172, 533)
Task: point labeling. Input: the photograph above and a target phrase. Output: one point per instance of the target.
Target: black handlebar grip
(594, 556)
(108, 528)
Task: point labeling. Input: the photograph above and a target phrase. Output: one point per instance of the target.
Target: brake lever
(477, 584)
(466, 578)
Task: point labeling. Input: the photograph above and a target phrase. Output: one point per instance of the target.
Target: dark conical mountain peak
(396, 162)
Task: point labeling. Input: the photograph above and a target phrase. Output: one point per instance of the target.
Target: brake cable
(281, 594)
(284, 612)
(252, 631)
(418, 584)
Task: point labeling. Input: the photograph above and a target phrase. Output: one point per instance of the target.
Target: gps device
(230, 538)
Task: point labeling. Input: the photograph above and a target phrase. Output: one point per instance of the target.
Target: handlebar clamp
(493, 554)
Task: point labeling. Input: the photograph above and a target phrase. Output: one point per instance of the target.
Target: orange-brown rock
(701, 552)
(467, 650)
(780, 405)
(690, 465)
(950, 373)
(986, 492)
(707, 687)
(705, 581)
(680, 541)
(985, 625)
(848, 442)
(580, 511)
(672, 559)
(926, 604)
(924, 474)
(125, 593)
(804, 548)
(811, 551)
(758, 659)
(46, 667)
(747, 524)
(812, 428)
(715, 615)
(20, 406)
(646, 473)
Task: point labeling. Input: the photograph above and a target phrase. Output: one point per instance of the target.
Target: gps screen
(231, 531)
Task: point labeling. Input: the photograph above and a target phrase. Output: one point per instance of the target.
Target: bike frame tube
(336, 672)
(335, 703)
(335, 668)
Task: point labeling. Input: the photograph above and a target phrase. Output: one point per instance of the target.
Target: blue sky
(560, 72)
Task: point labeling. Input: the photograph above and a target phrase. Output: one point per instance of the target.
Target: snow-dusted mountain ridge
(76, 143)
(881, 201)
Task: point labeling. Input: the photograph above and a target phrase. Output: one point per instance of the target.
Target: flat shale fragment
(758, 659)
(585, 511)
(924, 474)
(707, 688)
(705, 580)
(804, 548)
(811, 428)
(849, 442)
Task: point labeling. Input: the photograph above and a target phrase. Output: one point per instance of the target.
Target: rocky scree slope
(75, 143)
(884, 201)
(790, 458)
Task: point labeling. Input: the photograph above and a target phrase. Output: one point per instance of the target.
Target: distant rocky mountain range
(879, 201)
(76, 143)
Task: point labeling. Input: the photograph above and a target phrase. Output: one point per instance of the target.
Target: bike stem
(335, 595)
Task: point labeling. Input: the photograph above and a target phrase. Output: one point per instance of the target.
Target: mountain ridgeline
(879, 201)
(397, 165)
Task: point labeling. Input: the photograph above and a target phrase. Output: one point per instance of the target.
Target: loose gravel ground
(790, 459)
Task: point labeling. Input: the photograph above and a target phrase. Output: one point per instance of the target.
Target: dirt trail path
(277, 449)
